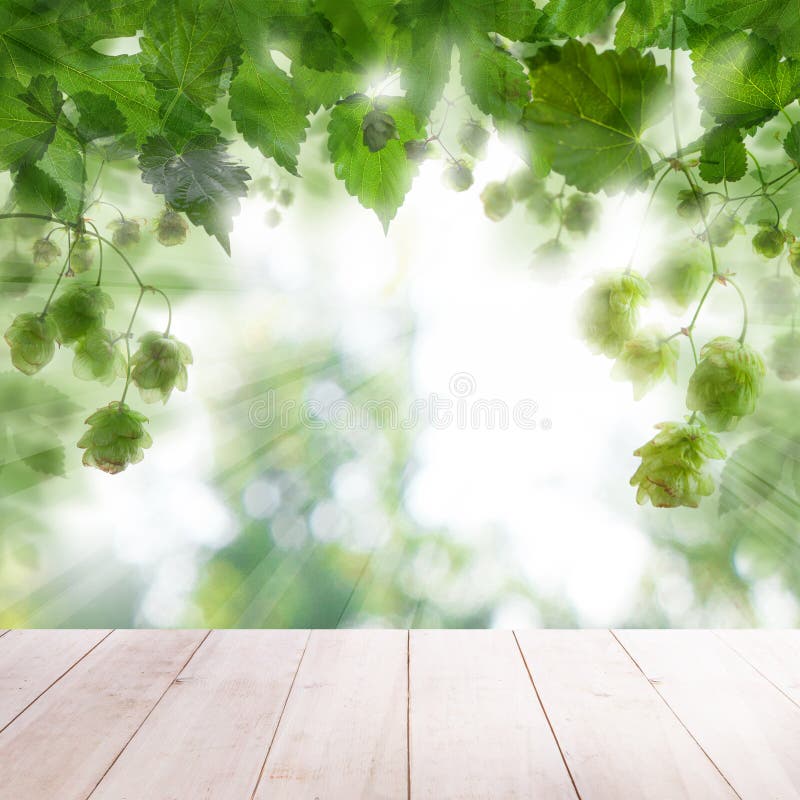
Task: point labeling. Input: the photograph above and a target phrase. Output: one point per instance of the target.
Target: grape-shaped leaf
(201, 180)
(740, 78)
(379, 180)
(723, 156)
(589, 111)
(642, 22)
(26, 128)
(36, 192)
(791, 144)
(574, 17)
(98, 117)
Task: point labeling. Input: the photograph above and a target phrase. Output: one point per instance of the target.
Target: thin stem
(691, 325)
(45, 217)
(169, 306)
(119, 253)
(744, 307)
(100, 247)
(698, 193)
(128, 343)
(758, 168)
(70, 245)
(644, 217)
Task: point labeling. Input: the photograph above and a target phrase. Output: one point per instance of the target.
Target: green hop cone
(692, 205)
(610, 311)
(45, 252)
(171, 228)
(784, 356)
(16, 274)
(473, 138)
(126, 232)
(159, 366)
(98, 357)
(581, 213)
(32, 339)
(769, 241)
(723, 229)
(272, 218)
(674, 470)
(542, 206)
(457, 177)
(524, 184)
(497, 200)
(115, 439)
(777, 296)
(81, 256)
(378, 127)
(645, 360)
(680, 276)
(416, 150)
(725, 385)
(79, 309)
(794, 258)
(285, 197)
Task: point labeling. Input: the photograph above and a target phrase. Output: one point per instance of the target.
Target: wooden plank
(774, 653)
(618, 736)
(343, 731)
(748, 728)
(31, 661)
(476, 727)
(62, 745)
(208, 736)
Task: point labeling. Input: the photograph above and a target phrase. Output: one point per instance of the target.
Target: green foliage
(589, 111)
(674, 469)
(680, 276)
(32, 339)
(159, 366)
(723, 156)
(80, 309)
(646, 359)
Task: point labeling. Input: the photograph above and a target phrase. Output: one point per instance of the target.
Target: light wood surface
(351, 715)
(746, 726)
(344, 730)
(217, 720)
(613, 727)
(476, 727)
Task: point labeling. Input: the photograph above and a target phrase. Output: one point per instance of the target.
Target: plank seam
(280, 717)
(546, 716)
(147, 715)
(674, 713)
(408, 713)
(3, 633)
(50, 686)
(754, 667)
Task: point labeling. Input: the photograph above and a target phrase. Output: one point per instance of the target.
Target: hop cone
(726, 383)
(32, 339)
(125, 232)
(81, 256)
(378, 128)
(581, 213)
(159, 366)
(171, 228)
(457, 177)
(769, 241)
(692, 205)
(784, 356)
(674, 469)
(79, 309)
(497, 200)
(679, 278)
(116, 438)
(610, 311)
(98, 357)
(723, 229)
(645, 360)
(473, 138)
(45, 252)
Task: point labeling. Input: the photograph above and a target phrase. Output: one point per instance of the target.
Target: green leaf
(187, 48)
(589, 111)
(740, 78)
(776, 21)
(643, 21)
(36, 192)
(201, 180)
(26, 128)
(268, 110)
(325, 88)
(723, 157)
(64, 163)
(791, 144)
(575, 17)
(381, 179)
(494, 80)
(98, 117)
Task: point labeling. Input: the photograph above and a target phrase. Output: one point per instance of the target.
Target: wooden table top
(329, 714)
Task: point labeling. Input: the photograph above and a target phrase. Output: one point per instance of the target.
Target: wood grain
(61, 746)
(618, 736)
(748, 728)
(208, 736)
(476, 727)
(31, 661)
(343, 731)
(774, 653)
